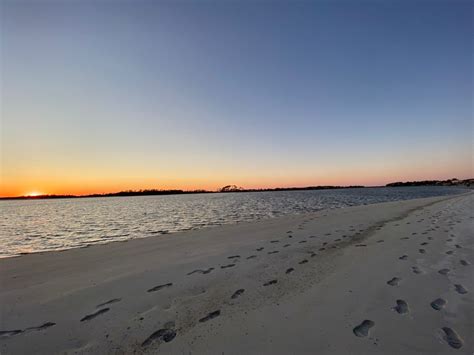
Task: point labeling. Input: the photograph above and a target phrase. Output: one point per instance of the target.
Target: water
(40, 225)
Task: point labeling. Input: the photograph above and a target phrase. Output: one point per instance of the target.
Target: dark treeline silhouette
(234, 188)
(450, 182)
(148, 192)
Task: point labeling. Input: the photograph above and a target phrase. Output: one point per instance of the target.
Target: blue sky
(113, 94)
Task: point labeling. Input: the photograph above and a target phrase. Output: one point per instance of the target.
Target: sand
(390, 278)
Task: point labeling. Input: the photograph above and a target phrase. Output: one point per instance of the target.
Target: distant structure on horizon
(231, 188)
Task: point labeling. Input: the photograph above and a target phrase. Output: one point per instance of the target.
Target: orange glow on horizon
(339, 177)
(83, 180)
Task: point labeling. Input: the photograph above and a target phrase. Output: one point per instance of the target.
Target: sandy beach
(390, 278)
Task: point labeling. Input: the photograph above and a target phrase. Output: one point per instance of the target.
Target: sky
(103, 96)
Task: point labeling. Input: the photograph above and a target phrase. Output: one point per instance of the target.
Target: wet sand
(391, 278)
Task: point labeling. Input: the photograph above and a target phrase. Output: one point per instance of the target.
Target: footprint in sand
(159, 287)
(95, 314)
(460, 289)
(210, 316)
(444, 271)
(273, 252)
(302, 241)
(271, 282)
(458, 246)
(237, 293)
(251, 257)
(303, 261)
(200, 271)
(115, 300)
(403, 257)
(362, 330)
(416, 270)
(289, 270)
(394, 281)
(401, 307)
(286, 245)
(41, 327)
(424, 243)
(422, 251)
(9, 333)
(227, 266)
(438, 304)
(452, 338)
(259, 249)
(233, 257)
(464, 262)
(274, 241)
(166, 334)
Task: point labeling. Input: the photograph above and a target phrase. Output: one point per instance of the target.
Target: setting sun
(34, 193)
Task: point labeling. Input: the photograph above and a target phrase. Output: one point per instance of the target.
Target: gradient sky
(101, 96)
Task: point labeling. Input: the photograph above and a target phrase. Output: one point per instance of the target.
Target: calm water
(30, 226)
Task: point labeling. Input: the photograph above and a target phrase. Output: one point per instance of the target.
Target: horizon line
(234, 188)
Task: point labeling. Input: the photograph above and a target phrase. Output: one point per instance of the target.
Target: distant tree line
(234, 188)
(450, 182)
(148, 192)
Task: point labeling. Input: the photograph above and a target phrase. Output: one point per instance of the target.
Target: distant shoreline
(469, 183)
(176, 192)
